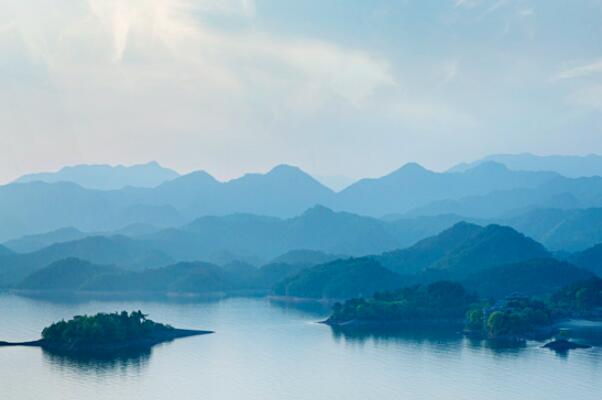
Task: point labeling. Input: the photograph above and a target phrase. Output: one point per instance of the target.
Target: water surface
(263, 350)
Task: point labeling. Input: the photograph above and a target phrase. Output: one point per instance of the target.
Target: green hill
(306, 257)
(590, 259)
(69, 274)
(441, 301)
(463, 249)
(113, 250)
(195, 277)
(533, 277)
(340, 279)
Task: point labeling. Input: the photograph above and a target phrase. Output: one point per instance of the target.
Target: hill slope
(532, 277)
(413, 186)
(340, 279)
(69, 274)
(559, 193)
(463, 249)
(570, 166)
(590, 259)
(115, 250)
(29, 243)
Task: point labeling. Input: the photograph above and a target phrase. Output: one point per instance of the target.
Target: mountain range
(493, 260)
(256, 239)
(569, 166)
(106, 177)
(489, 190)
(114, 250)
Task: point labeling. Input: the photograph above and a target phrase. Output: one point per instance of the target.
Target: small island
(106, 333)
(509, 321)
(442, 302)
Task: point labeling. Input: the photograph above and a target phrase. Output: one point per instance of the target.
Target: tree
(496, 323)
(474, 319)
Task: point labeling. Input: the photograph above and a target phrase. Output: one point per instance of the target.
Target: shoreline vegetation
(105, 333)
(509, 321)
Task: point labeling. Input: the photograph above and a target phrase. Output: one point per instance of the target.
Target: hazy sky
(336, 87)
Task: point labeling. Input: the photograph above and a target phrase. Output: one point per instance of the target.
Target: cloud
(592, 68)
(465, 3)
(117, 81)
(153, 39)
(526, 12)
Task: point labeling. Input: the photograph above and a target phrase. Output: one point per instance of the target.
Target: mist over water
(267, 350)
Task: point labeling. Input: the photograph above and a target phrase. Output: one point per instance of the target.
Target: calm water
(266, 351)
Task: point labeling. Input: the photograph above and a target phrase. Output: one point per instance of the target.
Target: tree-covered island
(442, 301)
(512, 319)
(106, 332)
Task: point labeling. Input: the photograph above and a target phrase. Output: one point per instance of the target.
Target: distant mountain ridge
(29, 243)
(412, 186)
(559, 193)
(259, 239)
(106, 177)
(114, 250)
(488, 191)
(569, 166)
(494, 260)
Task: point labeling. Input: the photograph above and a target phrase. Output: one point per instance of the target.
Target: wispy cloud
(592, 68)
(163, 39)
(493, 7)
(526, 12)
(465, 3)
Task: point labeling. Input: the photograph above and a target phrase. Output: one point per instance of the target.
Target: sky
(336, 87)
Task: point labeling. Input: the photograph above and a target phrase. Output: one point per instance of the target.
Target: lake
(264, 350)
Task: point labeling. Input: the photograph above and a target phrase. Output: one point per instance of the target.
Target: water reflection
(123, 362)
(70, 298)
(505, 348)
(310, 308)
(399, 333)
(449, 337)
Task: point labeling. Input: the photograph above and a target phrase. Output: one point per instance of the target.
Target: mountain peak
(105, 176)
(318, 211)
(198, 177)
(286, 169)
(412, 167)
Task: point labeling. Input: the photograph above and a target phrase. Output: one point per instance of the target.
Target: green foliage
(438, 301)
(517, 317)
(474, 319)
(103, 328)
(346, 278)
(464, 249)
(541, 276)
(581, 296)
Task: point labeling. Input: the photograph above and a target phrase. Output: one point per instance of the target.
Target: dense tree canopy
(103, 328)
(581, 296)
(441, 300)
